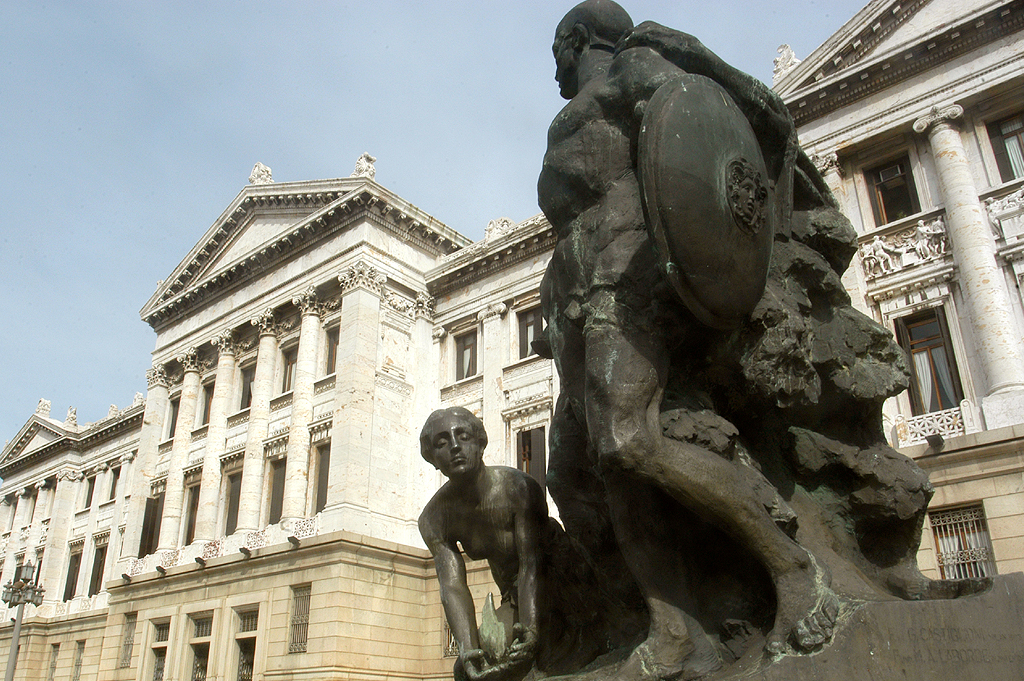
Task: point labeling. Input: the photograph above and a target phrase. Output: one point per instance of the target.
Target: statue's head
(453, 441)
(591, 24)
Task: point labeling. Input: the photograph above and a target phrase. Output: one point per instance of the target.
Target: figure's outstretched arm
(527, 532)
(455, 595)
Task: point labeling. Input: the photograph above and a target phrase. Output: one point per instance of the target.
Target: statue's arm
(530, 518)
(451, 577)
(765, 109)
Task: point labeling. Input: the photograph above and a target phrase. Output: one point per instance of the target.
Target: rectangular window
(288, 371)
(246, 658)
(531, 458)
(234, 492)
(330, 365)
(1007, 137)
(76, 672)
(54, 654)
(151, 525)
(191, 513)
(115, 475)
(131, 620)
(962, 542)
(203, 625)
(90, 488)
(96, 579)
(531, 325)
(248, 376)
(200, 660)
(159, 658)
(465, 356)
(204, 404)
(936, 381)
(161, 631)
(323, 474)
(893, 195)
(71, 585)
(300, 618)
(248, 620)
(172, 421)
(277, 469)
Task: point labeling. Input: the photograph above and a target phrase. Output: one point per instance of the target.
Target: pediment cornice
(329, 206)
(508, 246)
(15, 457)
(851, 82)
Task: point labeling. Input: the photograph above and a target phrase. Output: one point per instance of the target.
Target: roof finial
(784, 63)
(364, 166)
(260, 175)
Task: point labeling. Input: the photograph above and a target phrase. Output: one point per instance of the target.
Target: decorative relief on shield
(748, 197)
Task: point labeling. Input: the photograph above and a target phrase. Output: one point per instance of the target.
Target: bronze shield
(707, 199)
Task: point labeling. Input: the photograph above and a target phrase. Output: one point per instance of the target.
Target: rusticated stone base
(972, 638)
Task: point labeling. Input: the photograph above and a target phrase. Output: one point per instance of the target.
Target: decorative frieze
(463, 392)
(275, 447)
(1006, 215)
(923, 242)
(398, 303)
(320, 431)
(324, 385)
(362, 274)
(393, 384)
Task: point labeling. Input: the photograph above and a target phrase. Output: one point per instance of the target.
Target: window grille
(162, 630)
(159, 657)
(54, 654)
(201, 658)
(451, 646)
(248, 620)
(128, 640)
(246, 658)
(300, 618)
(204, 626)
(962, 542)
(76, 673)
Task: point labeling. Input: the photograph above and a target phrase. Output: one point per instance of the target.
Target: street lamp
(19, 591)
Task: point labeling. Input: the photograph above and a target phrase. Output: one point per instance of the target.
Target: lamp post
(19, 591)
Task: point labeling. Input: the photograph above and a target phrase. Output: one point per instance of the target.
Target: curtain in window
(934, 379)
(1013, 149)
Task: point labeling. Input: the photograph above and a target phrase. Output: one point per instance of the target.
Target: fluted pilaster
(170, 523)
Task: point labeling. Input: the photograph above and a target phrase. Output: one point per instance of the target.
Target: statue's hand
(524, 645)
(472, 665)
(682, 49)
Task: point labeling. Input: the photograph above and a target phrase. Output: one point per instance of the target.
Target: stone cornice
(485, 258)
(96, 433)
(335, 205)
(847, 85)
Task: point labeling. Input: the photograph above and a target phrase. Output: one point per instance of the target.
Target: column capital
(69, 474)
(492, 310)
(828, 163)
(362, 274)
(227, 344)
(949, 115)
(309, 303)
(25, 491)
(424, 306)
(189, 360)
(129, 456)
(268, 324)
(42, 484)
(157, 376)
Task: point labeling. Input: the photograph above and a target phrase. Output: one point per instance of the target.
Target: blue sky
(127, 127)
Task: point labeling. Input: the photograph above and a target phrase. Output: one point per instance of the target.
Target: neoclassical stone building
(915, 113)
(253, 515)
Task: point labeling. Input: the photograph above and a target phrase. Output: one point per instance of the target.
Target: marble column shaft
(296, 477)
(170, 523)
(14, 543)
(253, 465)
(352, 430)
(493, 345)
(43, 495)
(56, 555)
(986, 296)
(216, 434)
(144, 466)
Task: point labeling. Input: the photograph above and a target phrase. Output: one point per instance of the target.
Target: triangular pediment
(35, 434)
(266, 224)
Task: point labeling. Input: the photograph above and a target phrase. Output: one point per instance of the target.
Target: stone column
(296, 476)
(216, 434)
(170, 523)
(492, 352)
(144, 466)
(55, 557)
(251, 495)
(351, 433)
(43, 493)
(986, 297)
(15, 542)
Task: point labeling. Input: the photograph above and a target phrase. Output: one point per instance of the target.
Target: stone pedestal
(975, 638)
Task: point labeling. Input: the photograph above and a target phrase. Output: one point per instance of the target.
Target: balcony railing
(948, 423)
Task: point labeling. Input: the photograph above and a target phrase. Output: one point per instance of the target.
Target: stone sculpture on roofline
(716, 451)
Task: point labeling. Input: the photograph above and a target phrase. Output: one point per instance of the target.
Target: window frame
(1000, 150)
(466, 342)
(525, 324)
(903, 330)
(873, 180)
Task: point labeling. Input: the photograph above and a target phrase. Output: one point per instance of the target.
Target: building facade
(914, 112)
(253, 516)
